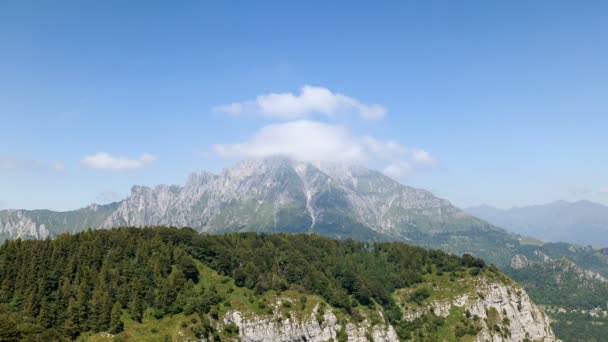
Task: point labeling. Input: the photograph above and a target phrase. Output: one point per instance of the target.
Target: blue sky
(478, 101)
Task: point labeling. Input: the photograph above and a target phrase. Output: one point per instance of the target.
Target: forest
(87, 282)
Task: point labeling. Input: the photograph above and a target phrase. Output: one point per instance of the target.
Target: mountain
(559, 281)
(168, 284)
(574, 295)
(282, 195)
(40, 224)
(581, 222)
(342, 201)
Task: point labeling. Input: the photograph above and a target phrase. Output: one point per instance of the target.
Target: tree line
(57, 289)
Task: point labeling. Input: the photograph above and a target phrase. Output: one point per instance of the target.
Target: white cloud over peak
(302, 140)
(422, 157)
(398, 169)
(311, 100)
(317, 141)
(103, 160)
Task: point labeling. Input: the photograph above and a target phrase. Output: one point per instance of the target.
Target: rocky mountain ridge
(269, 194)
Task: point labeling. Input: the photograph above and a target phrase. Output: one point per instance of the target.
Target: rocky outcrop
(40, 224)
(18, 224)
(519, 261)
(277, 328)
(518, 316)
(502, 312)
(562, 268)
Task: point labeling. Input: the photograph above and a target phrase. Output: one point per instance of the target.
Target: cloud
(398, 169)
(103, 160)
(311, 100)
(422, 157)
(13, 163)
(302, 140)
(603, 190)
(317, 141)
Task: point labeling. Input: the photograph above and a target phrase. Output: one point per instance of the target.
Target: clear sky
(504, 103)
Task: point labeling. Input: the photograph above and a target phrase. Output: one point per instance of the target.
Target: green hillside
(153, 283)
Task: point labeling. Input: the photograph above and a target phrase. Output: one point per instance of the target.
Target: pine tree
(31, 304)
(47, 314)
(83, 310)
(8, 329)
(71, 326)
(116, 324)
(163, 294)
(105, 312)
(95, 309)
(136, 309)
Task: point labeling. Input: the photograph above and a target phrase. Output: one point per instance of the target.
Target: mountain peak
(199, 178)
(281, 194)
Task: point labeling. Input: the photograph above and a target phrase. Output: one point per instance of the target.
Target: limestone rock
(519, 261)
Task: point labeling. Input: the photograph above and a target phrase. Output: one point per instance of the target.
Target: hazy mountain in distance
(581, 222)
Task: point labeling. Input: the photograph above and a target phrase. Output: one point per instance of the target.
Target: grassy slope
(178, 327)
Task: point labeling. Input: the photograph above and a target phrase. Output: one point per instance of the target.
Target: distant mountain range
(581, 222)
(278, 195)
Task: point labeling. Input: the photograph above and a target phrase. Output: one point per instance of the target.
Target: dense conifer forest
(89, 282)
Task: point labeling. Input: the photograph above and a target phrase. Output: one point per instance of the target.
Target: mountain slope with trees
(115, 281)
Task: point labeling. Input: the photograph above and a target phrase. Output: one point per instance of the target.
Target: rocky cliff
(40, 224)
(312, 328)
(502, 312)
(478, 309)
(18, 224)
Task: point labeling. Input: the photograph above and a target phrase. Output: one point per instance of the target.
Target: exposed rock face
(542, 255)
(256, 192)
(507, 306)
(512, 304)
(17, 224)
(258, 329)
(519, 261)
(568, 266)
(494, 303)
(39, 224)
